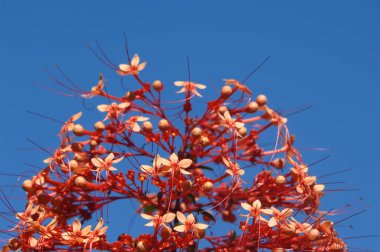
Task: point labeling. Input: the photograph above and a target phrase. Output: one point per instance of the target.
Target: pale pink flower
(77, 235)
(113, 109)
(134, 68)
(230, 123)
(255, 210)
(190, 87)
(238, 85)
(132, 124)
(279, 216)
(188, 224)
(106, 164)
(175, 164)
(233, 168)
(158, 220)
(69, 125)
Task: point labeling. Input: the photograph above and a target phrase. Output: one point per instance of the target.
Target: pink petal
(180, 228)
(185, 163)
(135, 61)
(181, 217)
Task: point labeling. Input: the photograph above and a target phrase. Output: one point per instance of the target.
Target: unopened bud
(27, 185)
(147, 126)
(261, 100)
(242, 131)
(99, 126)
(313, 234)
(81, 181)
(208, 186)
(93, 143)
(309, 180)
(163, 125)
(158, 86)
(130, 96)
(226, 91)
(76, 147)
(252, 107)
(73, 164)
(278, 163)
(280, 180)
(196, 132)
(222, 109)
(186, 185)
(278, 250)
(318, 188)
(199, 233)
(78, 130)
(204, 140)
(14, 244)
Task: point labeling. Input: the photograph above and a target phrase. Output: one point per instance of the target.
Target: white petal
(185, 163)
(181, 217)
(135, 61)
(103, 107)
(246, 206)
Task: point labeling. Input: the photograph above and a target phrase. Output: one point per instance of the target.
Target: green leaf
(191, 197)
(205, 167)
(208, 215)
(149, 209)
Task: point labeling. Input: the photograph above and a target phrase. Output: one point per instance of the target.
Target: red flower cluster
(208, 167)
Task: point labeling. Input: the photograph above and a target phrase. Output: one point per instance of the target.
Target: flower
(255, 210)
(188, 224)
(231, 123)
(131, 123)
(190, 87)
(69, 125)
(177, 165)
(279, 216)
(98, 231)
(158, 220)
(77, 235)
(113, 109)
(105, 164)
(233, 168)
(134, 68)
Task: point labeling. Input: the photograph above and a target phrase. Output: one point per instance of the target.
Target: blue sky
(323, 53)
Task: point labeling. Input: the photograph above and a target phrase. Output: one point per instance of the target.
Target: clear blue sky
(324, 53)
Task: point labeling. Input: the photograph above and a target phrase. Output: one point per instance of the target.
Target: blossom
(175, 164)
(231, 123)
(188, 224)
(233, 168)
(134, 68)
(279, 215)
(131, 123)
(190, 87)
(155, 169)
(98, 231)
(238, 85)
(113, 109)
(69, 125)
(77, 235)
(158, 220)
(255, 210)
(105, 164)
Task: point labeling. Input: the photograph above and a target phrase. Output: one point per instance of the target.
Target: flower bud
(242, 131)
(204, 140)
(252, 107)
(278, 163)
(78, 130)
(318, 188)
(14, 244)
(81, 181)
(280, 180)
(222, 109)
(187, 185)
(76, 147)
(147, 126)
(313, 234)
(158, 86)
(261, 100)
(208, 186)
(27, 185)
(196, 132)
(199, 233)
(163, 125)
(226, 91)
(99, 126)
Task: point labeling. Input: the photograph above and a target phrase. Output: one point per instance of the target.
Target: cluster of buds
(206, 168)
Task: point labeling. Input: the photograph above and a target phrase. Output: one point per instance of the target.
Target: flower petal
(181, 217)
(185, 163)
(246, 206)
(135, 61)
(180, 228)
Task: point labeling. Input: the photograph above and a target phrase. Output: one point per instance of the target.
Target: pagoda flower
(279, 216)
(238, 85)
(157, 221)
(132, 124)
(230, 123)
(175, 164)
(113, 109)
(299, 227)
(48, 230)
(106, 164)
(26, 216)
(233, 168)
(189, 87)
(58, 156)
(155, 169)
(134, 68)
(99, 230)
(77, 234)
(188, 223)
(255, 210)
